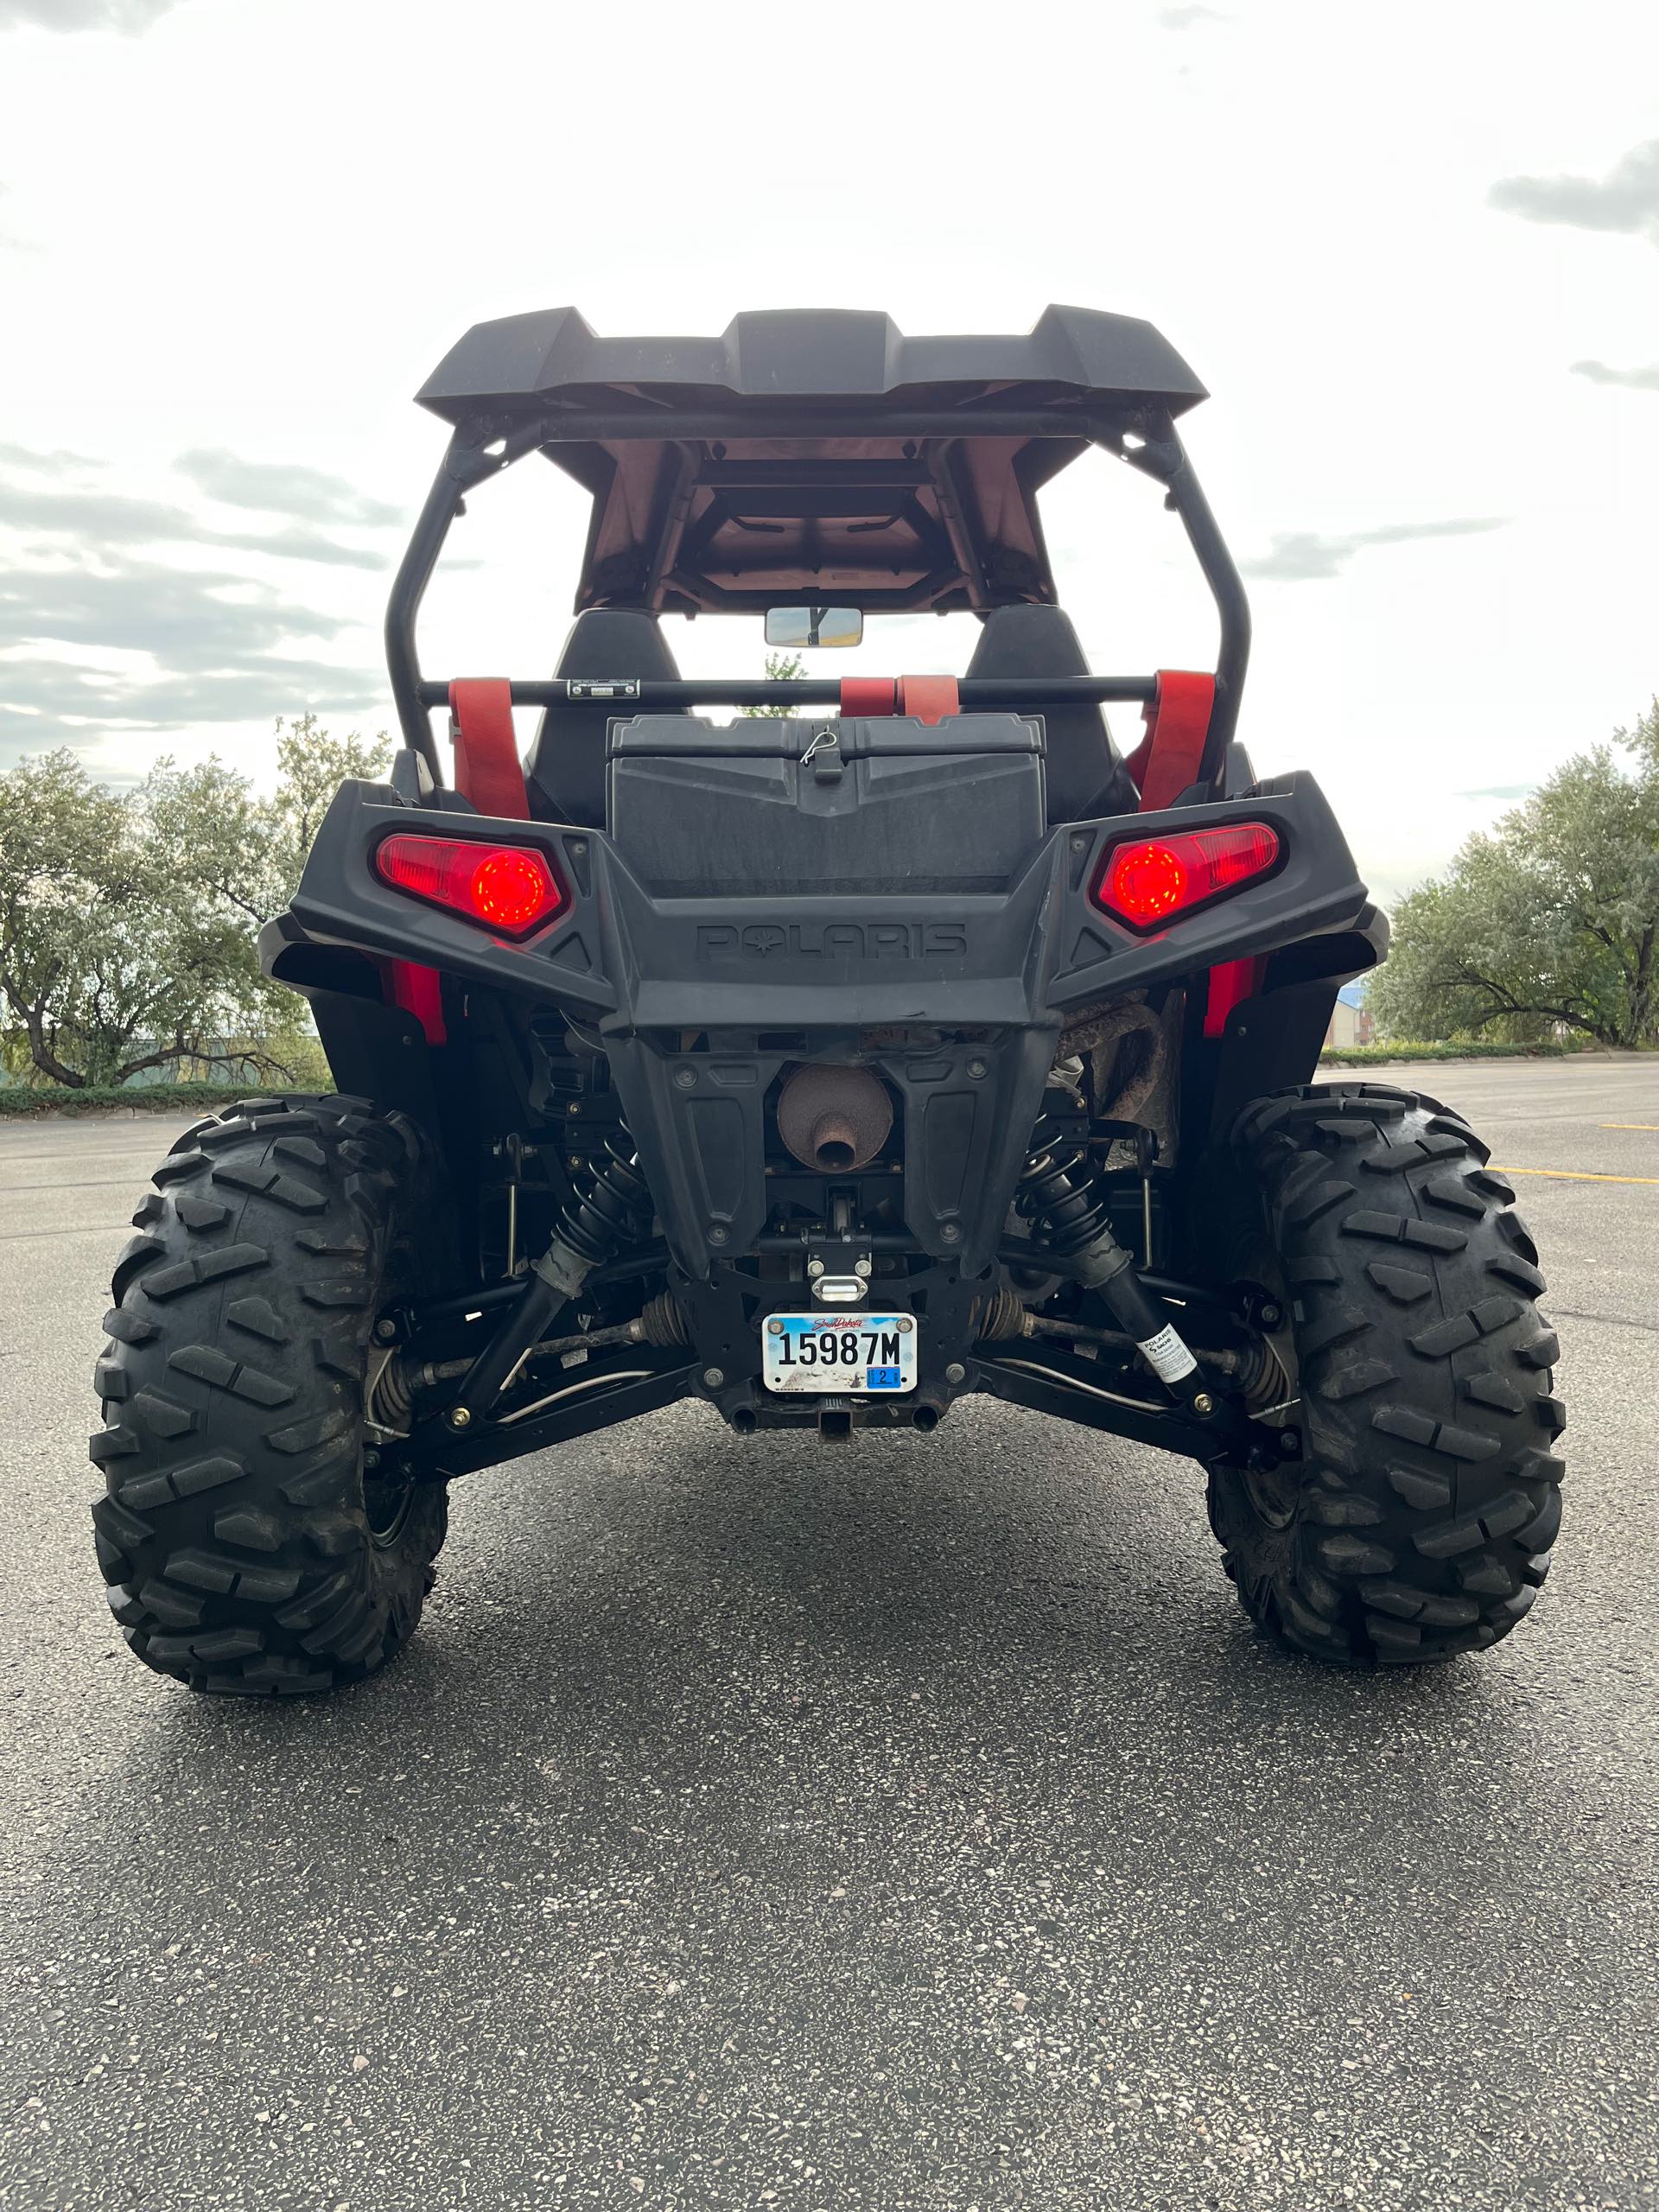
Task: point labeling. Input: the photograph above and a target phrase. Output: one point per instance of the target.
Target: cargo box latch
(823, 756)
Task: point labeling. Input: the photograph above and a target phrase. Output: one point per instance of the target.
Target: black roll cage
(1146, 439)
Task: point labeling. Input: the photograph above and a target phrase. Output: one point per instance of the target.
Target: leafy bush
(18, 1104)
(1370, 1056)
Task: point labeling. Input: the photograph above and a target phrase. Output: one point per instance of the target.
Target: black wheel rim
(388, 1496)
(387, 1481)
(1276, 1493)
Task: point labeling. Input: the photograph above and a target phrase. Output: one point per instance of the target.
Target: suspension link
(1063, 1199)
(613, 1212)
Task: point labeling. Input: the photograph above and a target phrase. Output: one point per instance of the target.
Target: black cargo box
(884, 804)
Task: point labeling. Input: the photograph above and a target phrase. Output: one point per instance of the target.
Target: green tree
(311, 765)
(1551, 920)
(63, 853)
(250, 849)
(128, 923)
(781, 668)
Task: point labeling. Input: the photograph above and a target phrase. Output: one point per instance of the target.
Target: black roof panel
(813, 454)
(809, 353)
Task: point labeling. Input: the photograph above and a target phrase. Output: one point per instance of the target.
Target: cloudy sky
(1413, 251)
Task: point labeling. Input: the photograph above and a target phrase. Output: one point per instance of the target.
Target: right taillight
(1151, 881)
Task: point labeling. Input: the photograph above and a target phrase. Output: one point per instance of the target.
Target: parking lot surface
(916, 1824)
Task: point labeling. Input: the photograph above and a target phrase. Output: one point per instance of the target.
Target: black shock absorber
(1063, 1199)
(593, 1226)
(597, 1224)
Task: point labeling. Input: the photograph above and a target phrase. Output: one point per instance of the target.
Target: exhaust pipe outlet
(834, 1119)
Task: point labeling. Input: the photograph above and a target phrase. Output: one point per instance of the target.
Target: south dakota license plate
(871, 1353)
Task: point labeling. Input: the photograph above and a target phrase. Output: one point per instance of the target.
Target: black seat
(565, 772)
(1086, 778)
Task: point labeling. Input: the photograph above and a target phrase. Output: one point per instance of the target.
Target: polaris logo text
(832, 940)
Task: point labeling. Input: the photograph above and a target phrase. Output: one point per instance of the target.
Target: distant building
(1351, 1021)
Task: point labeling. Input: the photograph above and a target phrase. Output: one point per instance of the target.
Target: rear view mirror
(814, 626)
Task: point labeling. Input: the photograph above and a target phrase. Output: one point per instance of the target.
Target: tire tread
(232, 1537)
(1427, 1504)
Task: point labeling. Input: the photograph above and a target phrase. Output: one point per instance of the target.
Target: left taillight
(509, 888)
(1148, 882)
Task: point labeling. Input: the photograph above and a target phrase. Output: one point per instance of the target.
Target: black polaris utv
(825, 1065)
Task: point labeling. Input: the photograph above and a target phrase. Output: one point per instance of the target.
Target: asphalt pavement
(916, 1824)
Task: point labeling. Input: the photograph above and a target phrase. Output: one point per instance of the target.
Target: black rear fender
(630, 958)
(957, 996)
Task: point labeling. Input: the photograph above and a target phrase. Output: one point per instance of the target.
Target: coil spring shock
(1061, 1196)
(599, 1222)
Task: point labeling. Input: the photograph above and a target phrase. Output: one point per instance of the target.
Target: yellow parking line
(1653, 1126)
(1574, 1175)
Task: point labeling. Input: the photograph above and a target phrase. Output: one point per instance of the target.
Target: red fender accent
(419, 991)
(1231, 984)
(488, 769)
(1177, 720)
(930, 698)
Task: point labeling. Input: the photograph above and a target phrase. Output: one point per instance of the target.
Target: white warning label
(1169, 1357)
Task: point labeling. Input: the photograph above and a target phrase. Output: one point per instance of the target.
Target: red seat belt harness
(488, 769)
(1167, 760)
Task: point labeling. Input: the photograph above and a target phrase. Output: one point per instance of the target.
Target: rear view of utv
(827, 1067)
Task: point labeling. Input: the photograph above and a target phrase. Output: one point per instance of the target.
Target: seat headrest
(617, 641)
(1028, 641)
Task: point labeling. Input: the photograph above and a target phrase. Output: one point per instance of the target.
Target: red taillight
(505, 887)
(1150, 882)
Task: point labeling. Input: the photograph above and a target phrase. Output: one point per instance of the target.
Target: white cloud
(1304, 555)
(1634, 379)
(96, 519)
(108, 621)
(82, 15)
(1626, 199)
(283, 487)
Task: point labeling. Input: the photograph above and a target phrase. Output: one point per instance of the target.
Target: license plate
(872, 1354)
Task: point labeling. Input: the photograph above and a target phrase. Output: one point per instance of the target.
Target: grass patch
(18, 1103)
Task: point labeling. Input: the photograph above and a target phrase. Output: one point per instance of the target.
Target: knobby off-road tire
(1418, 1521)
(243, 1549)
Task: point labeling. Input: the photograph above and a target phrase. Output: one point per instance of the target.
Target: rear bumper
(957, 999)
